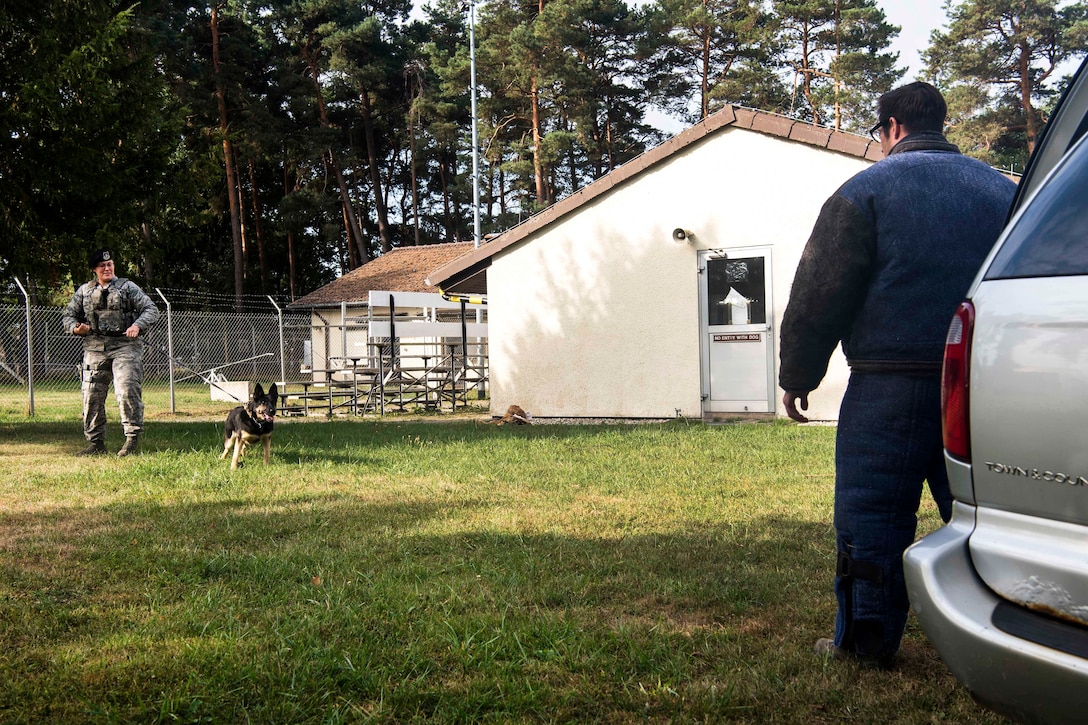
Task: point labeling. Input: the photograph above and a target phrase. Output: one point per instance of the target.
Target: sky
(917, 18)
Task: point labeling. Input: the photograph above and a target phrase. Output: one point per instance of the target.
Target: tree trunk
(1031, 118)
(538, 137)
(611, 146)
(375, 177)
(228, 161)
(257, 232)
(145, 234)
(242, 227)
(412, 118)
(538, 161)
(447, 211)
(705, 81)
(806, 74)
(502, 191)
(834, 64)
(287, 188)
(351, 222)
(354, 258)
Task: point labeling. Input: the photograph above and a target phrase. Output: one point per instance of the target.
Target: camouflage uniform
(108, 355)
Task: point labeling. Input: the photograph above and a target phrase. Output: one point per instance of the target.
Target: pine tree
(596, 89)
(716, 52)
(370, 55)
(82, 107)
(837, 52)
(994, 62)
(444, 107)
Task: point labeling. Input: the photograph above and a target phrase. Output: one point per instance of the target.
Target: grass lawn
(438, 570)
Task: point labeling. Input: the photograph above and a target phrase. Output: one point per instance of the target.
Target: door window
(736, 291)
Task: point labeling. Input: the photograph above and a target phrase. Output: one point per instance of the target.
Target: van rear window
(1050, 239)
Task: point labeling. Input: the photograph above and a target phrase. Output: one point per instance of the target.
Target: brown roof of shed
(468, 273)
(399, 270)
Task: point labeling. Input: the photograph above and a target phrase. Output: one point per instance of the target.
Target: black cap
(100, 256)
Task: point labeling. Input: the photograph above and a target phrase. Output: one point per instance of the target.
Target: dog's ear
(273, 393)
(258, 391)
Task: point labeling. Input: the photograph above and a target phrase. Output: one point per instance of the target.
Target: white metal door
(737, 349)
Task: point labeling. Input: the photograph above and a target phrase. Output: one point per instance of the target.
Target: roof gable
(467, 274)
(402, 269)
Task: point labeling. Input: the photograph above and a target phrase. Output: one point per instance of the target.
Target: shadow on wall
(603, 323)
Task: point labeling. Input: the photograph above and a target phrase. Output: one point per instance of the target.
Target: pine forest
(269, 146)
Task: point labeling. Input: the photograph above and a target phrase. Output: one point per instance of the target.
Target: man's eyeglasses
(875, 130)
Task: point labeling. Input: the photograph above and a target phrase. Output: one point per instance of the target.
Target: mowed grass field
(411, 569)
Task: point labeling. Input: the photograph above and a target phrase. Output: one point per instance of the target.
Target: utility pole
(475, 142)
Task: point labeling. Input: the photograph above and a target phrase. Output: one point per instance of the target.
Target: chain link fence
(203, 361)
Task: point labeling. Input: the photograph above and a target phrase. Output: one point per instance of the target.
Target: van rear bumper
(1012, 674)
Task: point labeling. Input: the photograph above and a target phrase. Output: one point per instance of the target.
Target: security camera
(681, 234)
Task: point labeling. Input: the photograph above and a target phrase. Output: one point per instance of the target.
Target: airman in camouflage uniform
(113, 316)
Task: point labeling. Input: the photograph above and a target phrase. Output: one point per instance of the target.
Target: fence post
(343, 329)
(464, 360)
(169, 348)
(29, 350)
(283, 363)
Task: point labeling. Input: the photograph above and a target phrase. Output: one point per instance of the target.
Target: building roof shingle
(399, 270)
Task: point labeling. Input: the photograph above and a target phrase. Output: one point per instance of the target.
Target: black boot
(95, 449)
(131, 447)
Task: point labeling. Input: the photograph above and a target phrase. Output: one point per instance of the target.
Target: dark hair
(916, 106)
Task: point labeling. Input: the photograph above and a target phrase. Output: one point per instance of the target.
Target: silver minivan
(1002, 590)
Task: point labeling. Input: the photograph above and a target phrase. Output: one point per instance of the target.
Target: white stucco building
(658, 290)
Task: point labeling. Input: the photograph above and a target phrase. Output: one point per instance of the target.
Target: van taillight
(955, 383)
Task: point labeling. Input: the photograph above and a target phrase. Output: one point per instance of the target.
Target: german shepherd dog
(250, 423)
